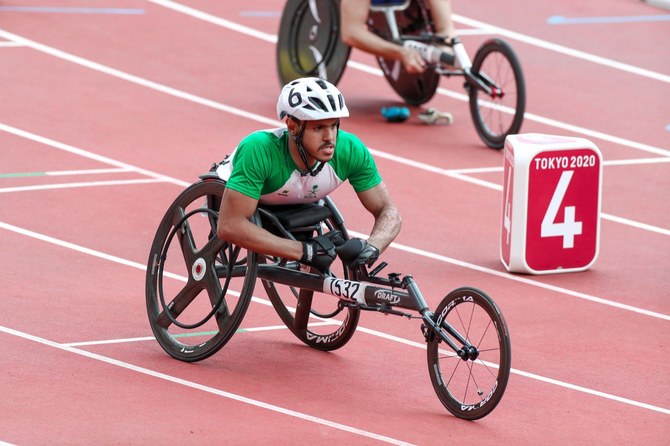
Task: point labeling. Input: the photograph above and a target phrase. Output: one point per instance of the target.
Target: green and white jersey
(262, 168)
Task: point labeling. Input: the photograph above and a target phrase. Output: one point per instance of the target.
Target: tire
(207, 283)
(414, 89)
(314, 318)
(495, 118)
(308, 42)
(470, 389)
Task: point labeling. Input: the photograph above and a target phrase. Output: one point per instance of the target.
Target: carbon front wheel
(471, 386)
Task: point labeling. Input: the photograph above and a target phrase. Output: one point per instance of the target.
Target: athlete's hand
(319, 252)
(358, 252)
(412, 61)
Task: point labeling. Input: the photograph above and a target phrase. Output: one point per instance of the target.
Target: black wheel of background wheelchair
(317, 319)
(309, 43)
(198, 287)
(495, 118)
(415, 89)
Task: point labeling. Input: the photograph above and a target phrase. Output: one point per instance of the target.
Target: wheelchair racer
(302, 163)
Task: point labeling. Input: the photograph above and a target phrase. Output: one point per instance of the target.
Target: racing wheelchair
(198, 289)
(309, 44)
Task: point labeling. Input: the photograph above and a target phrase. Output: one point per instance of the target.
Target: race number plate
(347, 289)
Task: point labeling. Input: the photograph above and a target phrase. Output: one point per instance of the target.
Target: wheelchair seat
(293, 220)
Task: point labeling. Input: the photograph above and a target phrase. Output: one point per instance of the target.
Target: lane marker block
(551, 204)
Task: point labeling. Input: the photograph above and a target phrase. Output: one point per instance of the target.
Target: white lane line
(88, 155)
(563, 50)
(42, 187)
(593, 392)
(136, 79)
(214, 20)
(596, 134)
(204, 388)
(56, 173)
(151, 338)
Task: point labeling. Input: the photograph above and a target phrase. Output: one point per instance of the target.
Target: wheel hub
(468, 353)
(198, 269)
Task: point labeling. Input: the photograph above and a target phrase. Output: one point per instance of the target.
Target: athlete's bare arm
(355, 33)
(387, 218)
(234, 226)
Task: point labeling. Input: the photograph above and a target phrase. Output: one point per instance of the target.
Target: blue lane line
(667, 127)
(66, 10)
(560, 20)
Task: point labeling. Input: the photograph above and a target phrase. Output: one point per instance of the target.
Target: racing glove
(358, 252)
(319, 252)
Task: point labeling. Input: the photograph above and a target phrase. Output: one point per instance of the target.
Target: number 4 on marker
(569, 228)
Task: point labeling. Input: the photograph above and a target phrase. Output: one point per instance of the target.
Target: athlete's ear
(293, 126)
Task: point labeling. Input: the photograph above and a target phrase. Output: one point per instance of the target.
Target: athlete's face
(320, 137)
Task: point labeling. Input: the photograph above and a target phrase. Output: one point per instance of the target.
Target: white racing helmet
(310, 99)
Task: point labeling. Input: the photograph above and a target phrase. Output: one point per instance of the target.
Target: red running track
(124, 110)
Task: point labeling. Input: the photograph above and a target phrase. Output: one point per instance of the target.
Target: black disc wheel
(309, 43)
(414, 89)
(470, 382)
(500, 113)
(198, 287)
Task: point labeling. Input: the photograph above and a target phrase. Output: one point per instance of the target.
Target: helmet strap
(313, 171)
